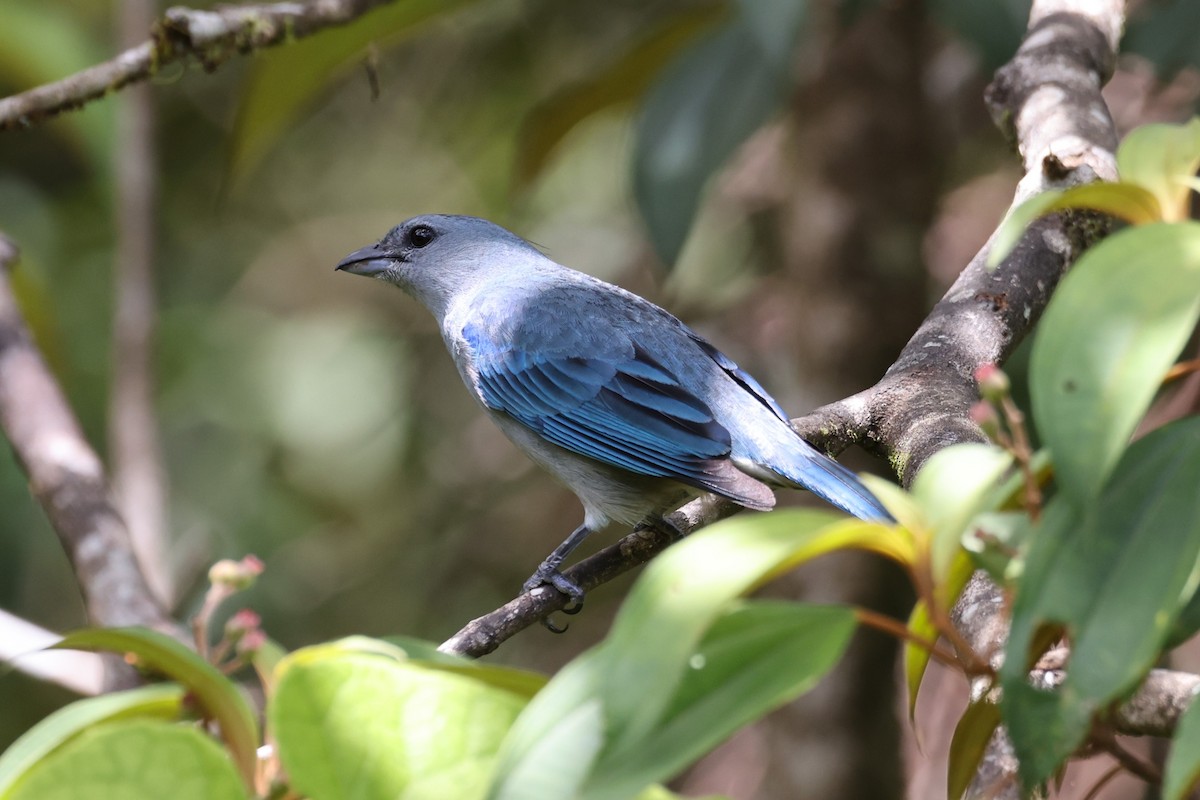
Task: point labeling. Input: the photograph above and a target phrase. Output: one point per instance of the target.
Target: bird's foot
(548, 575)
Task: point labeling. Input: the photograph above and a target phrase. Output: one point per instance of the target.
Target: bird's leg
(548, 572)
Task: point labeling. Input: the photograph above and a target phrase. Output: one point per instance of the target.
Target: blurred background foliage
(797, 180)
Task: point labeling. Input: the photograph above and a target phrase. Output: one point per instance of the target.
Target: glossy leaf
(1183, 764)
(953, 486)
(1114, 576)
(615, 84)
(753, 659)
(357, 724)
(706, 104)
(134, 760)
(216, 694)
(1113, 328)
(1124, 200)
(627, 685)
(285, 80)
(971, 736)
(160, 700)
(1163, 159)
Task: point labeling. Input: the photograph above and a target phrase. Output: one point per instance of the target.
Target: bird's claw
(547, 575)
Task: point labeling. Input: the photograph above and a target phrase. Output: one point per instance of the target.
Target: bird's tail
(835, 484)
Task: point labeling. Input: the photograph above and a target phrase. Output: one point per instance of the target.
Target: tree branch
(210, 37)
(1048, 100)
(66, 476)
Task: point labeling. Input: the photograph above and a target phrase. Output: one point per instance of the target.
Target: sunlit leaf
(134, 760)
(971, 736)
(1112, 330)
(1114, 576)
(161, 701)
(705, 104)
(1127, 201)
(358, 724)
(1163, 159)
(1183, 763)
(214, 692)
(953, 486)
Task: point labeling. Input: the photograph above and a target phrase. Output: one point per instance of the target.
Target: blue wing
(623, 408)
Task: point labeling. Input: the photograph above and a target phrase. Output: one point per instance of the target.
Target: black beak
(370, 260)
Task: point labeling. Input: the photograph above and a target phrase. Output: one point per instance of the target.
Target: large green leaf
(216, 694)
(1114, 577)
(1115, 325)
(707, 103)
(1183, 764)
(1163, 159)
(754, 658)
(161, 700)
(285, 80)
(351, 722)
(631, 685)
(134, 760)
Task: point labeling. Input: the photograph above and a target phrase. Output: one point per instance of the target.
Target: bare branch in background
(67, 477)
(139, 481)
(209, 37)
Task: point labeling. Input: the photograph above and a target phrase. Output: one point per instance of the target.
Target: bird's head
(435, 255)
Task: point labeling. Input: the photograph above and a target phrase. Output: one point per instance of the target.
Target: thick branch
(66, 476)
(210, 37)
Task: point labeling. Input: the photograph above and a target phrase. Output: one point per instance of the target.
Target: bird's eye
(421, 235)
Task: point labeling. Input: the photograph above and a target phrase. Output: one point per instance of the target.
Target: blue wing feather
(628, 411)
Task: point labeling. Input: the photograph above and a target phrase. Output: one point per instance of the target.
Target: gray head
(435, 255)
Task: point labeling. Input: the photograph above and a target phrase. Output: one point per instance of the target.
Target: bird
(625, 404)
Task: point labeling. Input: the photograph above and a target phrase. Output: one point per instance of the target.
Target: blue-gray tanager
(620, 400)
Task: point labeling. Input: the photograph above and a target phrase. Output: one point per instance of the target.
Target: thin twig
(208, 37)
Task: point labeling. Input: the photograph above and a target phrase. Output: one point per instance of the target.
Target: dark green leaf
(753, 659)
(705, 105)
(1164, 33)
(1114, 327)
(1114, 576)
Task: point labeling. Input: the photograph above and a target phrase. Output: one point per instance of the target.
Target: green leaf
(755, 658)
(1114, 576)
(707, 103)
(285, 80)
(216, 694)
(1163, 159)
(996, 542)
(134, 760)
(953, 486)
(1112, 330)
(1124, 200)
(161, 700)
(920, 623)
(614, 84)
(626, 686)
(1183, 763)
(971, 737)
(351, 723)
